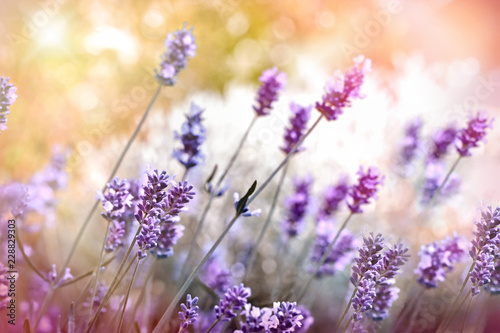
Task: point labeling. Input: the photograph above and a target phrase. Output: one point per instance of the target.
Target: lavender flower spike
(180, 46)
(411, 142)
(188, 313)
(366, 189)
(332, 198)
(273, 82)
(342, 88)
(441, 140)
(298, 123)
(296, 207)
(7, 98)
(192, 135)
(475, 132)
(233, 302)
(246, 211)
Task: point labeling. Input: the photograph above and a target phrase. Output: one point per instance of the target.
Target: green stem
(213, 325)
(346, 310)
(127, 295)
(440, 188)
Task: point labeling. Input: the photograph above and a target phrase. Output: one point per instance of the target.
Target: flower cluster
(296, 206)
(233, 302)
(434, 177)
(215, 276)
(283, 317)
(7, 98)
(437, 259)
(440, 142)
(340, 91)
(188, 313)
(99, 297)
(332, 198)
(366, 189)
(494, 286)
(411, 142)
(474, 133)
(192, 135)
(485, 245)
(273, 82)
(298, 123)
(180, 46)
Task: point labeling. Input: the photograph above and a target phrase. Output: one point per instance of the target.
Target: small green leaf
(243, 201)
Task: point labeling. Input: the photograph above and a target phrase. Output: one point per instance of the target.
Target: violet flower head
(298, 124)
(394, 257)
(283, 317)
(246, 211)
(99, 297)
(474, 133)
(411, 142)
(483, 269)
(434, 177)
(343, 88)
(7, 98)
(368, 257)
(494, 286)
(438, 258)
(363, 300)
(188, 313)
(288, 316)
(180, 47)
(192, 135)
(441, 140)
(366, 189)
(273, 82)
(296, 206)
(52, 275)
(383, 300)
(332, 198)
(215, 276)
(233, 302)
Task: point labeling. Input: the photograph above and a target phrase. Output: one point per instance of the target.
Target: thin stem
(323, 259)
(45, 304)
(26, 258)
(253, 253)
(127, 295)
(440, 188)
(84, 275)
(346, 310)
(168, 313)
(149, 275)
(213, 325)
(466, 278)
(294, 149)
(466, 313)
(184, 175)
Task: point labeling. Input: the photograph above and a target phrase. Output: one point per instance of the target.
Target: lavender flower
(411, 142)
(170, 233)
(494, 286)
(283, 317)
(180, 46)
(437, 259)
(215, 276)
(192, 135)
(246, 211)
(363, 300)
(483, 269)
(99, 296)
(434, 177)
(52, 275)
(306, 321)
(441, 140)
(7, 98)
(273, 82)
(188, 313)
(289, 317)
(384, 297)
(296, 206)
(298, 123)
(233, 302)
(340, 91)
(366, 189)
(332, 198)
(475, 132)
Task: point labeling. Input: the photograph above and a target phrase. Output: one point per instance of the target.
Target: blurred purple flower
(296, 206)
(298, 125)
(384, 297)
(4, 287)
(233, 302)
(494, 286)
(192, 135)
(273, 82)
(7, 98)
(342, 88)
(306, 321)
(332, 198)
(180, 46)
(475, 132)
(52, 275)
(99, 296)
(411, 142)
(366, 188)
(246, 211)
(437, 259)
(440, 142)
(215, 276)
(434, 177)
(188, 313)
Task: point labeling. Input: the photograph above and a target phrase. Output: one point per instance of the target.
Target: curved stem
(127, 295)
(346, 310)
(466, 314)
(26, 258)
(323, 259)
(213, 325)
(253, 253)
(149, 275)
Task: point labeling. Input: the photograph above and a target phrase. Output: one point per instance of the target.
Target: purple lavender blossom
(485, 245)
(7, 98)
(434, 177)
(192, 135)
(475, 132)
(283, 317)
(170, 233)
(394, 257)
(298, 124)
(411, 142)
(246, 211)
(99, 296)
(494, 286)
(233, 302)
(306, 321)
(273, 82)
(342, 88)
(332, 198)
(215, 276)
(52, 275)
(384, 297)
(440, 142)
(180, 46)
(437, 259)
(363, 300)
(188, 313)
(366, 189)
(289, 317)
(296, 206)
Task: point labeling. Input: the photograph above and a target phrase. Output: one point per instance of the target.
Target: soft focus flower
(440, 142)
(99, 297)
(474, 133)
(494, 286)
(233, 302)
(332, 198)
(366, 188)
(246, 211)
(215, 276)
(192, 135)
(52, 275)
(296, 206)
(4, 287)
(298, 125)
(382, 301)
(411, 142)
(438, 258)
(180, 46)
(434, 177)
(188, 313)
(273, 82)
(7, 98)
(343, 88)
